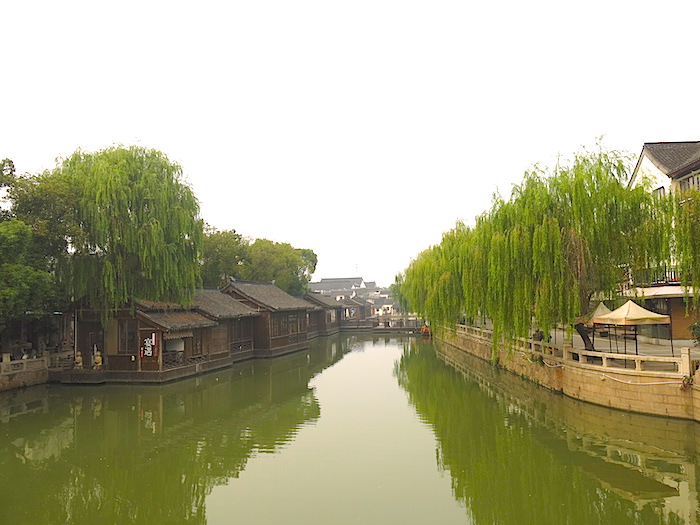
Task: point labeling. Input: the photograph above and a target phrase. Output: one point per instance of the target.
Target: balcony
(656, 276)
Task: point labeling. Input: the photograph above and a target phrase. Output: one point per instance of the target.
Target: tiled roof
(672, 157)
(174, 321)
(220, 305)
(323, 300)
(158, 306)
(343, 283)
(268, 295)
(310, 305)
(355, 280)
(382, 301)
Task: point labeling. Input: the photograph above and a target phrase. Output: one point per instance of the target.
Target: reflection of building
(151, 453)
(646, 460)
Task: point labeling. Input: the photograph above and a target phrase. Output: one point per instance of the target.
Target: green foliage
(289, 267)
(686, 241)
(397, 294)
(695, 331)
(7, 172)
(15, 238)
(507, 462)
(47, 203)
(25, 291)
(542, 254)
(7, 179)
(224, 252)
(128, 220)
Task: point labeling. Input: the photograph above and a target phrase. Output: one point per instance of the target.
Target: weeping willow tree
(685, 242)
(561, 238)
(135, 232)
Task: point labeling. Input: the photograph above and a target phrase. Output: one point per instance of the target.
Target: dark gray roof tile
(673, 157)
(268, 295)
(220, 305)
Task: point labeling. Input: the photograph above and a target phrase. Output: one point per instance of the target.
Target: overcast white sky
(362, 130)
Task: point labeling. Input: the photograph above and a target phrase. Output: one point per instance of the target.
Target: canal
(357, 429)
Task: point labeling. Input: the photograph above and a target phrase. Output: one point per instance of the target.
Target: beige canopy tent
(601, 309)
(631, 314)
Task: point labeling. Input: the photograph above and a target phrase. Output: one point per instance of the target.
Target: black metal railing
(656, 275)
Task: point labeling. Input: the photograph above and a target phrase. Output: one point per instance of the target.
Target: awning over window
(178, 335)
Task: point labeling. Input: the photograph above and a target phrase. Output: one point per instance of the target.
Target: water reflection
(514, 453)
(149, 454)
(518, 453)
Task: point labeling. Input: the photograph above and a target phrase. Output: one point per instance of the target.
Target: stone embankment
(23, 372)
(664, 386)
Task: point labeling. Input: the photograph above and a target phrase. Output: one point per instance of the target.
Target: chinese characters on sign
(149, 348)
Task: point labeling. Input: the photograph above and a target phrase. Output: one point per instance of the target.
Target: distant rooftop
(338, 284)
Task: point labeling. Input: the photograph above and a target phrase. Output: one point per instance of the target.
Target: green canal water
(357, 429)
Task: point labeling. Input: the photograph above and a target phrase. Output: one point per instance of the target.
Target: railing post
(685, 361)
(638, 364)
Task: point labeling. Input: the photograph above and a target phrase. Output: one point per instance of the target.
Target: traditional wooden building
(160, 341)
(324, 317)
(356, 314)
(281, 327)
(170, 336)
(233, 333)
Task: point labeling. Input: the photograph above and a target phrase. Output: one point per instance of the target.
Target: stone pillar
(685, 361)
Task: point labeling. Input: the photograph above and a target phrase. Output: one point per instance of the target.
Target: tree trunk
(583, 332)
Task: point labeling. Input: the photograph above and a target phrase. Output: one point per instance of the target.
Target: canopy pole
(670, 333)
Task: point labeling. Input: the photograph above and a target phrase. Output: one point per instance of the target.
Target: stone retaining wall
(21, 373)
(663, 393)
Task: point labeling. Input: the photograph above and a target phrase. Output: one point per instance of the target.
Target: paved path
(617, 345)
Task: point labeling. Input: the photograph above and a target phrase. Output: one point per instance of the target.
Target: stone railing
(563, 354)
(23, 365)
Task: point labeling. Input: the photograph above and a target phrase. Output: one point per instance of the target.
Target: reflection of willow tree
(153, 454)
(500, 469)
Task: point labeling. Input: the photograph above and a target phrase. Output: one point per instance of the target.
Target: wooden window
(235, 328)
(197, 343)
(293, 323)
(127, 343)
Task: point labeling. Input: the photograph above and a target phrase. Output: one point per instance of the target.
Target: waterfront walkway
(616, 345)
